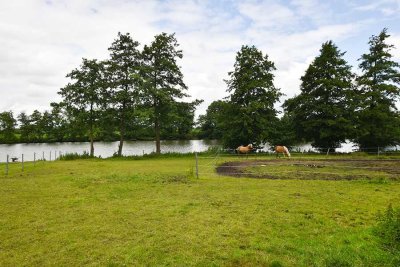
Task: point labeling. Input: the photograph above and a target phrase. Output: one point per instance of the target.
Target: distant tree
(25, 127)
(211, 124)
(284, 133)
(250, 115)
(378, 120)
(47, 126)
(323, 112)
(180, 120)
(162, 80)
(84, 97)
(7, 127)
(37, 128)
(122, 70)
(58, 122)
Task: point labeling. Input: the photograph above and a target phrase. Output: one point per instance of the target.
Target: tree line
(134, 94)
(334, 104)
(138, 94)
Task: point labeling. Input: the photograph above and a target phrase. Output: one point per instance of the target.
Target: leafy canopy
(250, 114)
(323, 111)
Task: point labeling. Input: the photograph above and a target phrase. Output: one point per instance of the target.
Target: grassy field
(154, 212)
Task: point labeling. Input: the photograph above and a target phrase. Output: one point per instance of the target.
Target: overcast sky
(42, 40)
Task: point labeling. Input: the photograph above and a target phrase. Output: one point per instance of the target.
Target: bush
(153, 156)
(388, 229)
(73, 156)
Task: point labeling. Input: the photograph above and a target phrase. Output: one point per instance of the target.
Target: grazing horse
(244, 149)
(282, 149)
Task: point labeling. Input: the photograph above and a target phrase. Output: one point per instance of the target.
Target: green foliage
(84, 97)
(284, 133)
(249, 114)
(75, 156)
(124, 97)
(212, 123)
(179, 120)
(7, 127)
(162, 81)
(122, 82)
(388, 229)
(378, 122)
(323, 111)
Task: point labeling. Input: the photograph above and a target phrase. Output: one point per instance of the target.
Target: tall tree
(122, 81)
(162, 79)
(7, 127)
(323, 112)
(378, 122)
(83, 97)
(250, 115)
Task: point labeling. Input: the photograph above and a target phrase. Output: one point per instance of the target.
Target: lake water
(107, 149)
(103, 149)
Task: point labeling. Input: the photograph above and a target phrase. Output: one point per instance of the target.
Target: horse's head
(250, 146)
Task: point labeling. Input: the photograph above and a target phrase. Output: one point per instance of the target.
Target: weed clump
(74, 156)
(388, 229)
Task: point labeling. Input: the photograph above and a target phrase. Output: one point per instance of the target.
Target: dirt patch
(333, 169)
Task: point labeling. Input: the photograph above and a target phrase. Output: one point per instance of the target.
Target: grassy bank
(155, 212)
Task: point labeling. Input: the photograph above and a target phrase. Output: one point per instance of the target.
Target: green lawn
(155, 212)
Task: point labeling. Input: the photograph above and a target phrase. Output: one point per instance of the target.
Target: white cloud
(41, 41)
(267, 14)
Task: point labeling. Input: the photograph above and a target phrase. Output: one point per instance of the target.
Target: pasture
(115, 212)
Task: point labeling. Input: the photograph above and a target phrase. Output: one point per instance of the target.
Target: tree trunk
(121, 139)
(157, 130)
(121, 131)
(91, 131)
(91, 145)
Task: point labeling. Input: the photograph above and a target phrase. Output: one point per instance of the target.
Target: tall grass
(75, 156)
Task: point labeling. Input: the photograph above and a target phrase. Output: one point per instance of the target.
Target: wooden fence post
(22, 162)
(197, 166)
(7, 164)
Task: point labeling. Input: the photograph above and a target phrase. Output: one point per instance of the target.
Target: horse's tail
(286, 151)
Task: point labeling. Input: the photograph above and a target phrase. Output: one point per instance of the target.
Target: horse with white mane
(244, 149)
(282, 149)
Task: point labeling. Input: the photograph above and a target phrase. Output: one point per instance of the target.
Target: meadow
(156, 212)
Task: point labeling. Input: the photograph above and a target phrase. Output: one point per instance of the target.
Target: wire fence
(206, 162)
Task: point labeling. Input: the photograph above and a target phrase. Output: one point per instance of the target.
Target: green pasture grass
(155, 212)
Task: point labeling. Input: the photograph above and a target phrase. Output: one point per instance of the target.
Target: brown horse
(244, 149)
(282, 149)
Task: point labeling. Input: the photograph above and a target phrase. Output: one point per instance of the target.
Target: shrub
(73, 156)
(388, 229)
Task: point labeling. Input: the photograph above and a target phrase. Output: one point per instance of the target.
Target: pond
(103, 149)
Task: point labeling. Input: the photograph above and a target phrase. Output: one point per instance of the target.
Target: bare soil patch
(339, 169)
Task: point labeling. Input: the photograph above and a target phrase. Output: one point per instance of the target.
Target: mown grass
(155, 212)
